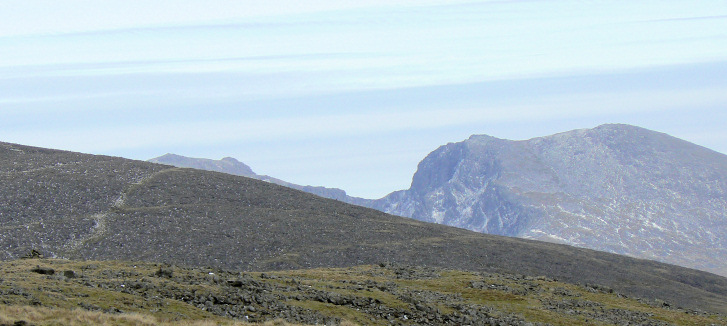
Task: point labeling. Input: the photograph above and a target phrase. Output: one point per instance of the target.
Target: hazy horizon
(350, 94)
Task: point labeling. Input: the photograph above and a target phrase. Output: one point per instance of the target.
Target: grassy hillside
(71, 205)
(44, 291)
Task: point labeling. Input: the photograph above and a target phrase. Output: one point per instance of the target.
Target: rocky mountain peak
(230, 159)
(616, 187)
(439, 166)
(170, 157)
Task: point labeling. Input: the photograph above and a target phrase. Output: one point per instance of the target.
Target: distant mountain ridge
(616, 188)
(226, 165)
(233, 166)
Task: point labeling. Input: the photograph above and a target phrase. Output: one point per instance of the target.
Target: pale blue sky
(352, 94)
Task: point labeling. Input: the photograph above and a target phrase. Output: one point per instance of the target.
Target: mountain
(615, 188)
(226, 165)
(232, 166)
(80, 206)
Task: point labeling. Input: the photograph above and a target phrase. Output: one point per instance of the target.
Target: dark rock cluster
(17, 323)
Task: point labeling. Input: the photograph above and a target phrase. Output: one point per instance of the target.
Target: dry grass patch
(128, 293)
(77, 317)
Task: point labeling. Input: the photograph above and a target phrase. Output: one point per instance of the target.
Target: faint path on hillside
(100, 228)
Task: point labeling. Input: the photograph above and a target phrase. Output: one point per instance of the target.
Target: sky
(352, 94)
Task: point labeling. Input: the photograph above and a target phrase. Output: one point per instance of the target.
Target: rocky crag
(616, 188)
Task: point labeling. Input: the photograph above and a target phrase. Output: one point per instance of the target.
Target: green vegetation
(54, 291)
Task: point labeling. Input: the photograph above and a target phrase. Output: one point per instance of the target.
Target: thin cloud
(717, 17)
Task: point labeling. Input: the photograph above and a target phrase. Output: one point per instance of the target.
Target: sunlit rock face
(617, 188)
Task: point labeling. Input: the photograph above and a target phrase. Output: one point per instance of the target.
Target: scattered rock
(235, 283)
(387, 297)
(17, 323)
(33, 254)
(164, 272)
(43, 270)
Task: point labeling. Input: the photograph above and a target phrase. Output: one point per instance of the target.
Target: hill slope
(95, 207)
(615, 188)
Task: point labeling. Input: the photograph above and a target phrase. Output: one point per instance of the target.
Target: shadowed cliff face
(80, 206)
(456, 185)
(616, 188)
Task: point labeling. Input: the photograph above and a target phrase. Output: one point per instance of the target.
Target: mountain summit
(616, 188)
